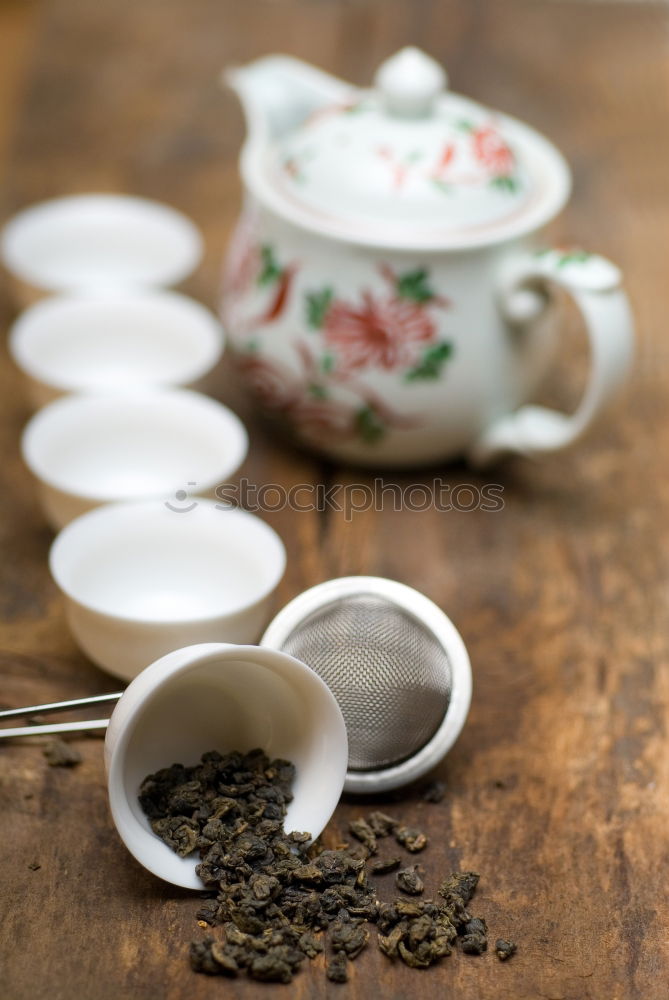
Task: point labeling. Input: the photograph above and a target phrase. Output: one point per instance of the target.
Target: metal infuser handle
(56, 727)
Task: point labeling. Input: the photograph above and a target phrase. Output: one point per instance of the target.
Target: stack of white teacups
(109, 356)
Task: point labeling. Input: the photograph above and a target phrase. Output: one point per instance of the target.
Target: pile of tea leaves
(280, 898)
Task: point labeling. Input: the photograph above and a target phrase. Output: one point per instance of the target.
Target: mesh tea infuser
(393, 660)
(396, 665)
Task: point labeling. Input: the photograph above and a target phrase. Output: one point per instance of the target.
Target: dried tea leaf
(461, 885)
(357, 851)
(441, 945)
(474, 944)
(349, 938)
(420, 929)
(264, 886)
(307, 873)
(412, 840)
(208, 911)
(224, 957)
(505, 949)
(383, 865)
(434, 791)
(381, 824)
(58, 753)
(412, 959)
(202, 959)
(408, 880)
(310, 944)
(178, 832)
(475, 939)
(337, 865)
(409, 908)
(362, 831)
(476, 925)
(389, 943)
(337, 968)
(270, 968)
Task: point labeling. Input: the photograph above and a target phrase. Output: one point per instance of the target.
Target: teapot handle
(595, 285)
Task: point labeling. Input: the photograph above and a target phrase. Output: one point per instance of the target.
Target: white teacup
(141, 580)
(222, 697)
(98, 241)
(92, 449)
(113, 343)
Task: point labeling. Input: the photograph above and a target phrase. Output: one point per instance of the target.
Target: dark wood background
(558, 790)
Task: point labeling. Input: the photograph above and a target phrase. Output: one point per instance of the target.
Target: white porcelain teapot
(386, 293)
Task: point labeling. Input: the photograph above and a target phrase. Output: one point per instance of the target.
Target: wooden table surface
(558, 789)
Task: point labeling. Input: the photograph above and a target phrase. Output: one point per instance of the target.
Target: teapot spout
(278, 92)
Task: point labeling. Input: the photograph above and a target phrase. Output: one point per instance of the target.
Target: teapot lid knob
(409, 82)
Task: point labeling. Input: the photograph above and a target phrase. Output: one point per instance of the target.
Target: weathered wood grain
(559, 787)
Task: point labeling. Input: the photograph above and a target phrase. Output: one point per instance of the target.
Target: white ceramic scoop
(222, 697)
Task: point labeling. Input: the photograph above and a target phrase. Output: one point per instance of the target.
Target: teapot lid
(409, 164)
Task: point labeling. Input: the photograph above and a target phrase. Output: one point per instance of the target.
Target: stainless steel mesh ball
(395, 664)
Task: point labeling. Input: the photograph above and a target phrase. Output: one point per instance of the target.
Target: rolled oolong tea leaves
(349, 937)
(434, 792)
(380, 866)
(382, 824)
(58, 753)
(504, 949)
(408, 880)
(422, 932)
(362, 831)
(275, 892)
(475, 939)
(410, 839)
(337, 968)
(417, 932)
(277, 899)
(457, 891)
